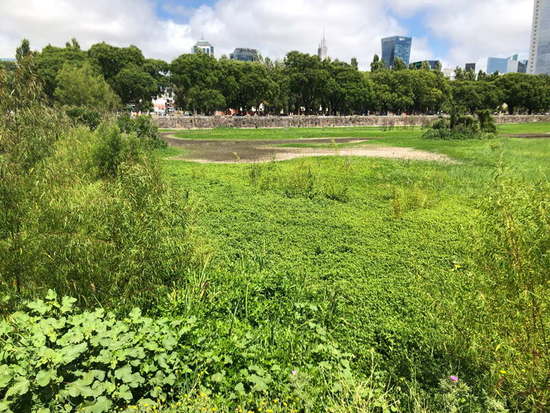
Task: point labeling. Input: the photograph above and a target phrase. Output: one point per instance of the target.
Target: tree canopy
(300, 83)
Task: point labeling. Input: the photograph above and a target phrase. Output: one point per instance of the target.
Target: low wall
(211, 122)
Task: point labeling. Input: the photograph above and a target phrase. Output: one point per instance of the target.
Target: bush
(514, 251)
(55, 359)
(143, 127)
(84, 116)
(462, 127)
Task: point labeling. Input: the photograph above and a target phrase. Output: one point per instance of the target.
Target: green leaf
(51, 296)
(67, 304)
(20, 387)
(71, 353)
(260, 384)
(102, 405)
(79, 388)
(123, 372)
(44, 377)
(5, 376)
(39, 307)
(217, 378)
(239, 388)
(125, 393)
(4, 406)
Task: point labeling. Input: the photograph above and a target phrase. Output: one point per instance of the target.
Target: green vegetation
(320, 284)
(299, 84)
(381, 133)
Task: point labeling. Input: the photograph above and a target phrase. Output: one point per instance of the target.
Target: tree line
(106, 78)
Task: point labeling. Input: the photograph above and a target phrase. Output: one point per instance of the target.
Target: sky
(453, 31)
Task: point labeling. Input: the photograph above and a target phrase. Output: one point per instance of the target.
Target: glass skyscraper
(396, 46)
(497, 64)
(245, 55)
(539, 56)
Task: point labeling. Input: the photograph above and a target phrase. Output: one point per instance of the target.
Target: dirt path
(250, 151)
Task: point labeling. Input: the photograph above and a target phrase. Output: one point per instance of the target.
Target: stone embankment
(211, 122)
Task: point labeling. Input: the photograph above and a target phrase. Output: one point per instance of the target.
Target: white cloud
(473, 29)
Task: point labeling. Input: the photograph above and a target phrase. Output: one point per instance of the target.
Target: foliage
(299, 84)
(143, 127)
(84, 116)
(515, 251)
(460, 127)
(54, 358)
(81, 87)
(87, 213)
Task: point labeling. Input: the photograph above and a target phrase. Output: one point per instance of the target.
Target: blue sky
(454, 31)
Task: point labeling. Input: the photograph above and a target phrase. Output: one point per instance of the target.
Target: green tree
(135, 87)
(524, 93)
(307, 77)
(82, 86)
(197, 76)
(52, 59)
(398, 64)
(23, 51)
(377, 64)
(111, 60)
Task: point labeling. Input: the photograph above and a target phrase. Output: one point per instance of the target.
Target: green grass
(353, 132)
(382, 249)
(518, 128)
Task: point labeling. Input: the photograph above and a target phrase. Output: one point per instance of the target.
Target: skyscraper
(322, 51)
(396, 47)
(539, 56)
(508, 65)
(203, 46)
(245, 55)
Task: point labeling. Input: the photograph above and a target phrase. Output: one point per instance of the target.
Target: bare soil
(254, 151)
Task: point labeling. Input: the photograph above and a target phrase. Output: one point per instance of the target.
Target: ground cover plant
(319, 284)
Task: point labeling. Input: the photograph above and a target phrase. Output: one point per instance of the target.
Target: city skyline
(167, 28)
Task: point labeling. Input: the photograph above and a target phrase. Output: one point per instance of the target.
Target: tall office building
(322, 51)
(507, 65)
(539, 56)
(497, 64)
(396, 47)
(203, 46)
(245, 55)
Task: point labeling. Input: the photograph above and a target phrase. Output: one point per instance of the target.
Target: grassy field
(379, 254)
(363, 132)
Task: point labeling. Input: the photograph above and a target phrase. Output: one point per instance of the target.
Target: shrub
(143, 127)
(53, 359)
(84, 116)
(96, 220)
(462, 127)
(514, 251)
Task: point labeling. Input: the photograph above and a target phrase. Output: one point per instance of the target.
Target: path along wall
(211, 122)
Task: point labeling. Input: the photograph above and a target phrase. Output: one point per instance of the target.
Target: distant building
(497, 64)
(245, 55)
(449, 73)
(164, 104)
(434, 64)
(506, 65)
(396, 47)
(539, 56)
(470, 67)
(322, 51)
(7, 59)
(203, 46)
